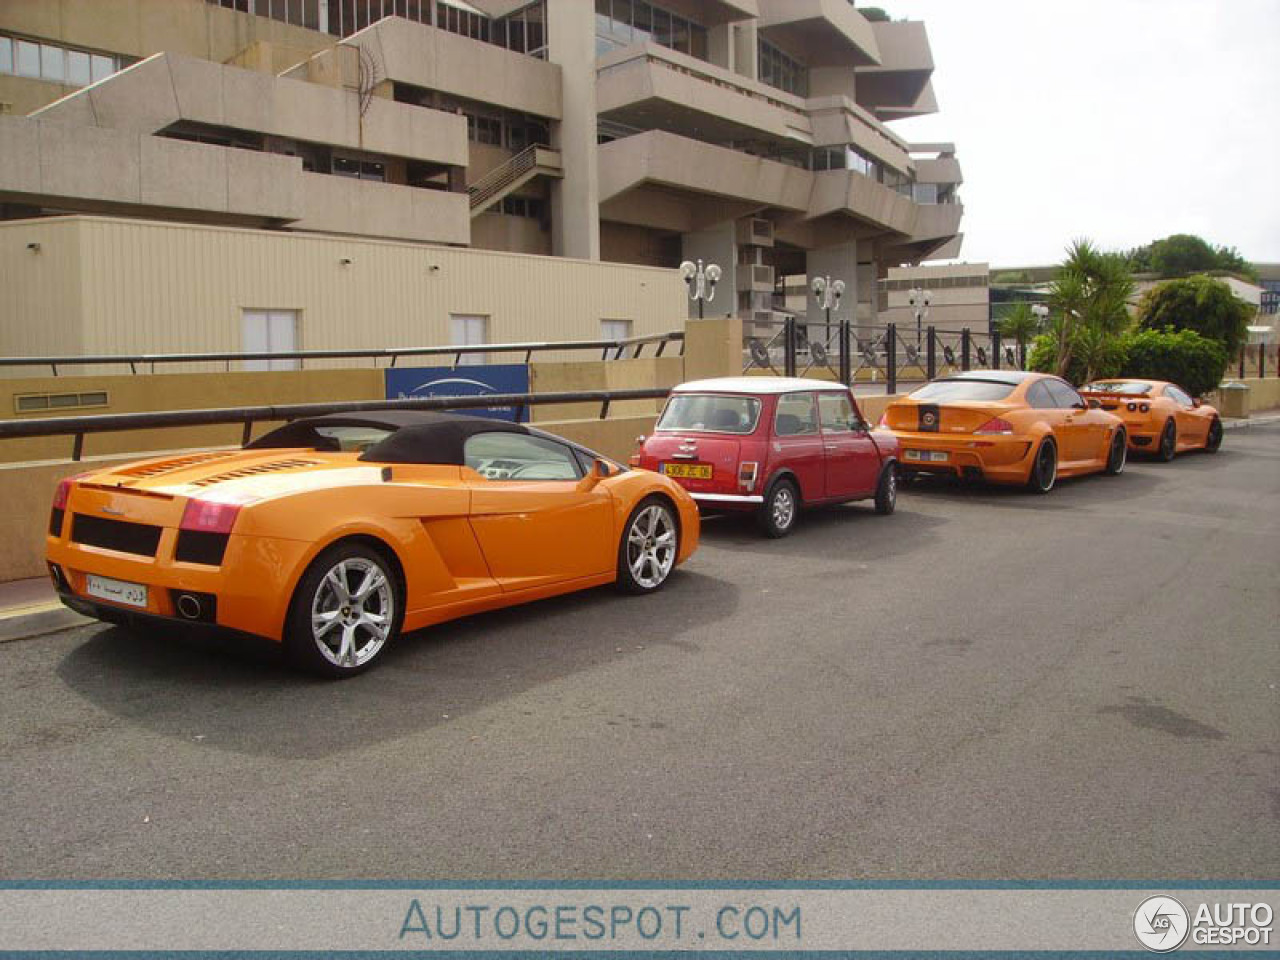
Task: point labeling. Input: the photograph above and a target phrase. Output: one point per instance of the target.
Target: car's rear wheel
(1119, 453)
(1044, 471)
(887, 490)
(1213, 442)
(347, 608)
(781, 506)
(1168, 441)
(650, 543)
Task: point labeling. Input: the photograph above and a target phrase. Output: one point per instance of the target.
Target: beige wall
(109, 286)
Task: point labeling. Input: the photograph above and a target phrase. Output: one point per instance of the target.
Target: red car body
(730, 442)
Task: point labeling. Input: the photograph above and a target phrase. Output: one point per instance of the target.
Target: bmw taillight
(996, 425)
(204, 516)
(747, 472)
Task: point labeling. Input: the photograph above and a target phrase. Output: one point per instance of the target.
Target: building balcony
(849, 193)
(899, 85)
(838, 121)
(754, 278)
(651, 87)
(830, 32)
(671, 182)
(937, 221)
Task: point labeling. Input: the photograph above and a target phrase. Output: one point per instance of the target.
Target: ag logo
(1161, 924)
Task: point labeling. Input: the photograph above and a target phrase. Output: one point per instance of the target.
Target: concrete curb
(38, 621)
(1251, 422)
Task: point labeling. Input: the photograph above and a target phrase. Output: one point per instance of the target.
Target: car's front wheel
(1213, 442)
(346, 609)
(1118, 454)
(887, 490)
(781, 506)
(650, 542)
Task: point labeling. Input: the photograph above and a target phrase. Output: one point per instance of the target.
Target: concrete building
(751, 133)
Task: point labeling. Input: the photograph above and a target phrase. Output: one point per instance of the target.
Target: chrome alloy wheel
(784, 508)
(651, 546)
(352, 612)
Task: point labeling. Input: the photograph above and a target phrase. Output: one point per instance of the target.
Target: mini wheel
(781, 506)
(887, 490)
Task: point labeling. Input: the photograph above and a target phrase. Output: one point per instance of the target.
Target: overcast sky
(1120, 120)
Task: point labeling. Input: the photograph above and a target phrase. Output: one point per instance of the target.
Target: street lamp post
(1041, 313)
(828, 293)
(701, 280)
(919, 300)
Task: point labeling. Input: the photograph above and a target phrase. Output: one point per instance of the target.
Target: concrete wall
(109, 286)
(1263, 395)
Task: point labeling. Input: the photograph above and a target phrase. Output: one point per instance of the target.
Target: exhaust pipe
(189, 606)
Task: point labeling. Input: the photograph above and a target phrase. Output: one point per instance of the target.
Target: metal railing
(610, 349)
(491, 187)
(848, 351)
(79, 427)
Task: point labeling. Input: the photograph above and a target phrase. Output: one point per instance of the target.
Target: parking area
(988, 684)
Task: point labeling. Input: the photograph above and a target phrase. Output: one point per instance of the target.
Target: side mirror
(1079, 405)
(599, 470)
(1196, 402)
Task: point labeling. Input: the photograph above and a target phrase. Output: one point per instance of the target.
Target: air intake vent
(168, 466)
(275, 466)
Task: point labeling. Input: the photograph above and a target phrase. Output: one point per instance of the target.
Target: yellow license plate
(690, 471)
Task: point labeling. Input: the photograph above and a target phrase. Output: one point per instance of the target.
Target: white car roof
(756, 385)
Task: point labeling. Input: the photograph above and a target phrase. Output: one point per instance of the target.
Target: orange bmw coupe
(333, 534)
(1160, 417)
(1006, 427)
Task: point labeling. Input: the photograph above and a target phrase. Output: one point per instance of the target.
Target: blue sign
(477, 381)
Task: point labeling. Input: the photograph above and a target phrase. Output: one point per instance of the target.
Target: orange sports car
(1006, 427)
(333, 534)
(1160, 417)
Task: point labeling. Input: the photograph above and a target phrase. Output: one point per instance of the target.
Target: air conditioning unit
(755, 232)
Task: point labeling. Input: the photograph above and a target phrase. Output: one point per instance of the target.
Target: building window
(531, 207)
(620, 23)
(615, 329)
(55, 63)
(469, 330)
(925, 193)
(779, 70)
(360, 169)
(270, 331)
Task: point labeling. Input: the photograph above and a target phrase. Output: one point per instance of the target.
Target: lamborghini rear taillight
(996, 425)
(204, 516)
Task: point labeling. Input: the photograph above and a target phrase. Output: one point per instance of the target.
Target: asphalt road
(989, 684)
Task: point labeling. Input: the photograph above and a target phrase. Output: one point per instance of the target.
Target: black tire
(887, 490)
(1044, 471)
(1168, 442)
(348, 562)
(781, 508)
(1213, 442)
(649, 546)
(1118, 454)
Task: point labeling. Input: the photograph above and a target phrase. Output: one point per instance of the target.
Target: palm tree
(1020, 325)
(1091, 293)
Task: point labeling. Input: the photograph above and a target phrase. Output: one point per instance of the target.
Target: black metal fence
(79, 427)
(852, 353)
(630, 347)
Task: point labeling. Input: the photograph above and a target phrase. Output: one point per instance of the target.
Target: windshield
(710, 413)
(949, 391)
(1135, 387)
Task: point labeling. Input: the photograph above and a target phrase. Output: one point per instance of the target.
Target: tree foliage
(1089, 304)
(874, 14)
(1183, 254)
(1183, 357)
(1198, 303)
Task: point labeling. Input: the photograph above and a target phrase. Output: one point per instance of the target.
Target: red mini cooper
(771, 445)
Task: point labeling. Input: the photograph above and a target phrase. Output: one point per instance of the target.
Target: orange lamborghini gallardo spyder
(333, 534)
(1005, 427)
(1160, 417)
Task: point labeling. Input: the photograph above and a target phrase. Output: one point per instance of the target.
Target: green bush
(1202, 304)
(1183, 357)
(1096, 355)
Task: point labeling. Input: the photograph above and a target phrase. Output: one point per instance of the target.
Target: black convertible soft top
(418, 436)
